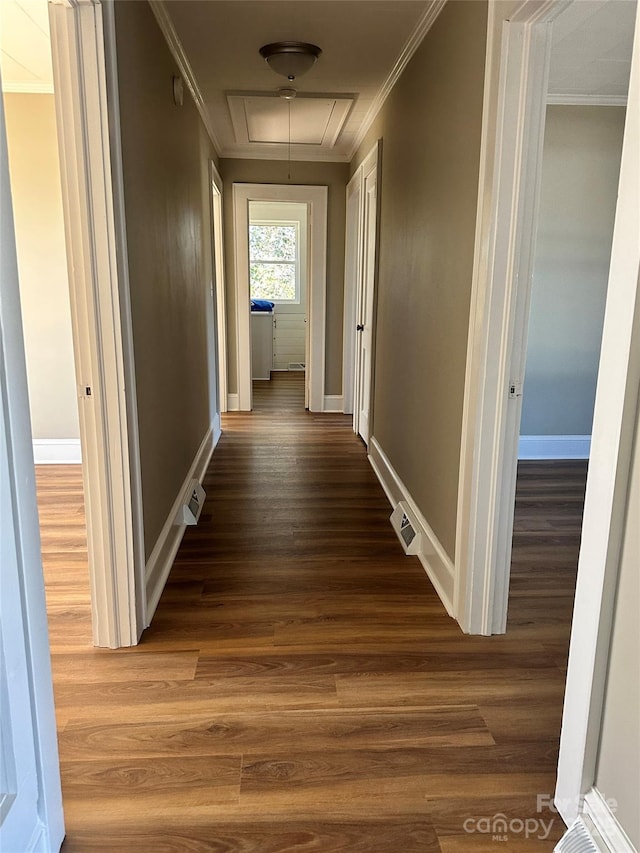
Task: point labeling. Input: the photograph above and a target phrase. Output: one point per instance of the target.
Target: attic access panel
(264, 118)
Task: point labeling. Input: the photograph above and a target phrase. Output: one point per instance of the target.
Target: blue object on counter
(262, 305)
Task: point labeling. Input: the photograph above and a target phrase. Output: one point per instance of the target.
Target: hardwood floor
(301, 687)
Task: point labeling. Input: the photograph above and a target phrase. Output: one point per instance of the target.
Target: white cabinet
(261, 344)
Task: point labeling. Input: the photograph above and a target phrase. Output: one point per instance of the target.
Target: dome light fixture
(291, 59)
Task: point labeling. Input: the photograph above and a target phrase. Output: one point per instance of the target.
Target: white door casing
(360, 284)
(511, 154)
(364, 327)
(31, 815)
(352, 267)
(316, 197)
(85, 76)
(615, 415)
(219, 284)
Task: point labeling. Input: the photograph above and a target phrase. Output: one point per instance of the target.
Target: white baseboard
(216, 428)
(433, 557)
(233, 402)
(597, 829)
(164, 552)
(606, 823)
(57, 451)
(554, 446)
(333, 403)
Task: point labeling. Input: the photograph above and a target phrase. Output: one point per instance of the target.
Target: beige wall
(42, 265)
(618, 770)
(165, 153)
(332, 175)
(580, 168)
(430, 127)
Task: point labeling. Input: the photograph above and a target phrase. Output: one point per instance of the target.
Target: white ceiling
(25, 52)
(591, 52)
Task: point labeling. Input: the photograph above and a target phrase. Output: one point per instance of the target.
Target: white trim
(164, 551)
(23, 88)
(178, 52)
(333, 403)
(233, 403)
(554, 446)
(251, 151)
(352, 273)
(57, 451)
(514, 113)
(98, 304)
(587, 100)
(614, 423)
(606, 823)
(128, 353)
(317, 198)
(416, 38)
(433, 557)
(220, 300)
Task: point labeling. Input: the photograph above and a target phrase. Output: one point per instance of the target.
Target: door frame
(85, 75)
(614, 423)
(516, 75)
(354, 278)
(219, 283)
(511, 153)
(317, 199)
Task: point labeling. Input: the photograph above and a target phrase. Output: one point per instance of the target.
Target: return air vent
(404, 523)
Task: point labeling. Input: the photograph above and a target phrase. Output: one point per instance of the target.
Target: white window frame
(295, 263)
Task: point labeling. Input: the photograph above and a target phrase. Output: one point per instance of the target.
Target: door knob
(359, 328)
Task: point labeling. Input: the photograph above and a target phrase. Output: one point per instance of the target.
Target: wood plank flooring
(301, 687)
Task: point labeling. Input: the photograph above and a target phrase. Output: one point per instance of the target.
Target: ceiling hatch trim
(262, 117)
(425, 22)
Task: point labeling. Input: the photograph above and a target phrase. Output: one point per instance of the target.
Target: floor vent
(296, 365)
(191, 507)
(405, 525)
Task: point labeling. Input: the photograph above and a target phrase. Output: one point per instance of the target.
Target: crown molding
(414, 41)
(165, 23)
(587, 100)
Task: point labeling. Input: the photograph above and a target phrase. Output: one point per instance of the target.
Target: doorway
(276, 277)
(278, 289)
(517, 95)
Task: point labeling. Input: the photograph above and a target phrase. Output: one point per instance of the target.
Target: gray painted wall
(581, 164)
(165, 153)
(430, 128)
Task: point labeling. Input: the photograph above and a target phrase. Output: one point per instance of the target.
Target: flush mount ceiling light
(290, 58)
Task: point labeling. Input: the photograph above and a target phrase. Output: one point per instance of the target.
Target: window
(274, 261)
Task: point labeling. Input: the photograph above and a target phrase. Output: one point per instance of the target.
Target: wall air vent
(192, 503)
(404, 523)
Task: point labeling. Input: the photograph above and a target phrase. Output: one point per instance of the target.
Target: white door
(364, 314)
(30, 797)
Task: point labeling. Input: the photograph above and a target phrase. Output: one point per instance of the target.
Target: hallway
(301, 687)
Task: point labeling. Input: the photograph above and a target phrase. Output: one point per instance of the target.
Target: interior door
(364, 326)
